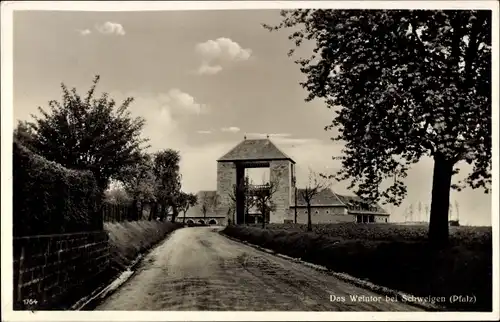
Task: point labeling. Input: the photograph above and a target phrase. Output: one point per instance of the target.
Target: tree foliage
(88, 133)
(117, 195)
(166, 169)
(24, 135)
(404, 84)
(139, 180)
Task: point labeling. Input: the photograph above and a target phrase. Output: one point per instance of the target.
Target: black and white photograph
(233, 160)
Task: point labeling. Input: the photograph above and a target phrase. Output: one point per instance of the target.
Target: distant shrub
(50, 199)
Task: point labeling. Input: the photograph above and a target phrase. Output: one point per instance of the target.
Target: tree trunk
(309, 221)
(441, 185)
(152, 211)
(263, 211)
(135, 209)
(141, 210)
(175, 213)
(162, 211)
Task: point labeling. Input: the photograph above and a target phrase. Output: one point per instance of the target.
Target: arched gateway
(256, 153)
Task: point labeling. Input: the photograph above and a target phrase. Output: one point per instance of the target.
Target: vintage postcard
(250, 160)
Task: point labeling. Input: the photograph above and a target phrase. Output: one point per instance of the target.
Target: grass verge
(458, 277)
(129, 239)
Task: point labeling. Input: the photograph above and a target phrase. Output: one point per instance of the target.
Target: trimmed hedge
(49, 198)
(413, 267)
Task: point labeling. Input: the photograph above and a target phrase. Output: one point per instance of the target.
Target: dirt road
(198, 269)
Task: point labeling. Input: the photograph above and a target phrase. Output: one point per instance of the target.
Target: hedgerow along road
(199, 269)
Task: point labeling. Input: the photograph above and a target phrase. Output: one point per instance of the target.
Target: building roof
(255, 149)
(327, 197)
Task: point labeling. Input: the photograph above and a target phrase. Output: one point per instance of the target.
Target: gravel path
(199, 269)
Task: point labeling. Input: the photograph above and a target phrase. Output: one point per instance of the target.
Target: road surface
(199, 269)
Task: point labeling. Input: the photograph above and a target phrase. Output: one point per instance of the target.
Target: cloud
(182, 102)
(232, 129)
(206, 69)
(204, 132)
(223, 48)
(111, 28)
(216, 52)
(84, 32)
(162, 113)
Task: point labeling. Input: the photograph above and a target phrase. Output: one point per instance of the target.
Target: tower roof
(256, 149)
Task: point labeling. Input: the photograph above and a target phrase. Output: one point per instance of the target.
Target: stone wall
(54, 271)
(280, 173)
(226, 178)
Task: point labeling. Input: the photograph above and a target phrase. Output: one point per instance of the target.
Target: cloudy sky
(202, 80)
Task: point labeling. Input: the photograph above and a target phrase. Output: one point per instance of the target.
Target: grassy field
(395, 256)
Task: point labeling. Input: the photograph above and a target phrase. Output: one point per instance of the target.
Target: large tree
(404, 84)
(166, 168)
(86, 133)
(139, 182)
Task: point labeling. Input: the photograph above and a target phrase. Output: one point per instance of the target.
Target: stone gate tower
(260, 153)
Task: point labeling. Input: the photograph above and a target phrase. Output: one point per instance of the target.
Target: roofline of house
(336, 196)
